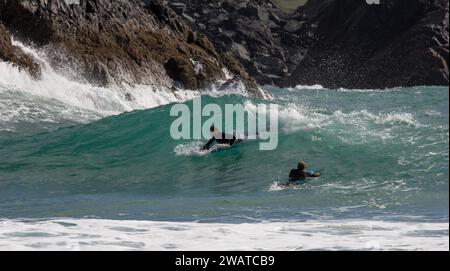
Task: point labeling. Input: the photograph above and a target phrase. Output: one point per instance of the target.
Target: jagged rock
(243, 28)
(271, 65)
(236, 68)
(336, 43)
(293, 26)
(118, 42)
(240, 51)
(179, 7)
(181, 70)
(13, 54)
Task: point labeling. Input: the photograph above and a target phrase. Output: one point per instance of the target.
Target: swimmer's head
(301, 165)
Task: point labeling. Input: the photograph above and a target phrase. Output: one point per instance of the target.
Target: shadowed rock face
(335, 43)
(396, 43)
(118, 42)
(246, 29)
(12, 54)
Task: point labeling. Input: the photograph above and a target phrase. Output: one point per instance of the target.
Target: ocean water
(82, 168)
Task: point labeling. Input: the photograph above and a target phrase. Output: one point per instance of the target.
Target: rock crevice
(118, 42)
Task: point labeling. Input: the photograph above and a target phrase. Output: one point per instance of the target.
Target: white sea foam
(279, 186)
(190, 149)
(96, 234)
(350, 127)
(306, 87)
(368, 91)
(101, 101)
(294, 117)
(380, 118)
(16, 107)
(105, 101)
(195, 149)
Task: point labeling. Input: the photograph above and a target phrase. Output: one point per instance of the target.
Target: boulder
(15, 55)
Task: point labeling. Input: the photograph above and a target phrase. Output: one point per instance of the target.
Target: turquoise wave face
(381, 152)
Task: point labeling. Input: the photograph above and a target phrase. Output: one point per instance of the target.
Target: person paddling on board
(299, 174)
(220, 138)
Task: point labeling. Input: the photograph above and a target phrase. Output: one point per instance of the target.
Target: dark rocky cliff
(187, 43)
(396, 43)
(250, 30)
(118, 42)
(336, 43)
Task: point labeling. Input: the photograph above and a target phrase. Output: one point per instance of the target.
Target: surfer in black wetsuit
(220, 138)
(299, 174)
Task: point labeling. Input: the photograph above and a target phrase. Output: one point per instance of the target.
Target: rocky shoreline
(117, 43)
(334, 43)
(192, 43)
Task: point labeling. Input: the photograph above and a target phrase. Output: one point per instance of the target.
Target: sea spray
(95, 101)
(383, 155)
(189, 126)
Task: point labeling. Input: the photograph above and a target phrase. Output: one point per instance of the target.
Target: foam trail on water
(195, 149)
(77, 234)
(278, 186)
(190, 149)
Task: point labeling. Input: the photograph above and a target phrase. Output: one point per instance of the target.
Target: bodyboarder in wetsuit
(299, 174)
(220, 138)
